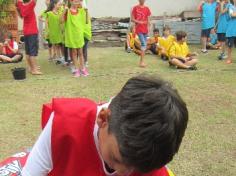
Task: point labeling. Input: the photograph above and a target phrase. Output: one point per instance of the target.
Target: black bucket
(19, 73)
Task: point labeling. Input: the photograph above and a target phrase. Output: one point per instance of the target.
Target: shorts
(153, 49)
(182, 60)
(231, 41)
(206, 32)
(221, 37)
(143, 40)
(31, 45)
(49, 43)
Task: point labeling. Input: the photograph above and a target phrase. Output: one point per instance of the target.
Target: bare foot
(229, 61)
(142, 65)
(36, 73)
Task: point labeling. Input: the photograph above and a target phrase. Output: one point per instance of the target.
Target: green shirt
(88, 26)
(54, 26)
(74, 30)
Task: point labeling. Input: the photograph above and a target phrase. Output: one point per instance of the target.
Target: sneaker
(222, 56)
(73, 69)
(84, 72)
(204, 51)
(77, 74)
(192, 68)
(86, 64)
(128, 50)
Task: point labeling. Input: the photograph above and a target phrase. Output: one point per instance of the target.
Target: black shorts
(221, 37)
(206, 32)
(31, 45)
(49, 43)
(231, 41)
(153, 49)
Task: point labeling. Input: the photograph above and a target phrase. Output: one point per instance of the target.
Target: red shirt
(8, 50)
(28, 14)
(73, 148)
(141, 13)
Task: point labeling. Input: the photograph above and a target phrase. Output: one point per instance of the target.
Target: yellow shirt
(132, 38)
(166, 42)
(179, 50)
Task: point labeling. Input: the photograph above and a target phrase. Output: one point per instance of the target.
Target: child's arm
(64, 15)
(17, 9)
(199, 8)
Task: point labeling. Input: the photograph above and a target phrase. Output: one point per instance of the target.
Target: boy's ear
(103, 118)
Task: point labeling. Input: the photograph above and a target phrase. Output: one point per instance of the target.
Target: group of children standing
(68, 31)
(225, 25)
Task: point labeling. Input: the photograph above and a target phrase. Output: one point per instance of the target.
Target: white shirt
(39, 162)
(15, 46)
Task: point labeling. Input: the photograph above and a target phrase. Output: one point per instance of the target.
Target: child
(87, 32)
(231, 31)
(141, 17)
(43, 18)
(222, 26)
(138, 131)
(208, 10)
(180, 55)
(30, 29)
(153, 42)
(10, 52)
(74, 36)
(130, 41)
(165, 43)
(213, 40)
(54, 27)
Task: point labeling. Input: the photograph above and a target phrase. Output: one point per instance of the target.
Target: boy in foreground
(137, 133)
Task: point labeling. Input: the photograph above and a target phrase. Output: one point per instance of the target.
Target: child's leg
(230, 44)
(5, 58)
(62, 50)
(74, 57)
(192, 61)
(204, 43)
(204, 36)
(85, 50)
(229, 59)
(178, 63)
(81, 58)
(66, 53)
(17, 57)
(143, 40)
(50, 50)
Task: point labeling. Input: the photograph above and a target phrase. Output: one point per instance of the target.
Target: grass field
(209, 147)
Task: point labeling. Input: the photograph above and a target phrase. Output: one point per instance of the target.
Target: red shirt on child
(141, 13)
(28, 14)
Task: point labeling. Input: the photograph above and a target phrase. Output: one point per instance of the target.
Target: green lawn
(209, 147)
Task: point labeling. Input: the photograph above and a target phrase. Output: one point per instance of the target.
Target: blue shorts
(31, 45)
(231, 42)
(221, 37)
(143, 40)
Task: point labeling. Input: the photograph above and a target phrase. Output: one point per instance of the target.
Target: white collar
(95, 135)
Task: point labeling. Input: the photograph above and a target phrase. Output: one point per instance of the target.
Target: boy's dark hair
(148, 118)
(156, 30)
(166, 28)
(180, 35)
